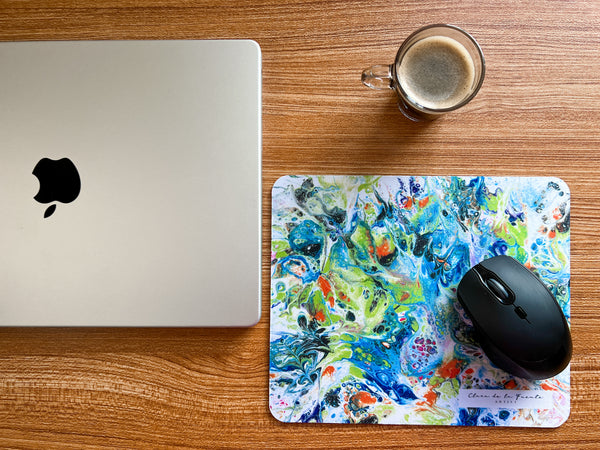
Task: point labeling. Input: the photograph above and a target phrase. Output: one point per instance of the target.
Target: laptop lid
(130, 183)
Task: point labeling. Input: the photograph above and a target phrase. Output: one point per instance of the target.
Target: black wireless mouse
(519, 323)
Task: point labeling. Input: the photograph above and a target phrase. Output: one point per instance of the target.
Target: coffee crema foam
(436, 72)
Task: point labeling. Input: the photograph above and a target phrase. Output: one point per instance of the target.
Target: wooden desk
(538, 113)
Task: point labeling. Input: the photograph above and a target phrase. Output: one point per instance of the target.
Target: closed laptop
(130, 183)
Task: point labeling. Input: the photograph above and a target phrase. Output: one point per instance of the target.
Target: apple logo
(59, 182)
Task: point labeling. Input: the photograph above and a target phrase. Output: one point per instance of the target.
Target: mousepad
(365, 324)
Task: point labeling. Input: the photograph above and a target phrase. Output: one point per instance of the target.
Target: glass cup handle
(378, 77)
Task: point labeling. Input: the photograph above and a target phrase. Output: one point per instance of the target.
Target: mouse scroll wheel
(499, 291)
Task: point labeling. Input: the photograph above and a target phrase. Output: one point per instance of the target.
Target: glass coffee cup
(439, 68)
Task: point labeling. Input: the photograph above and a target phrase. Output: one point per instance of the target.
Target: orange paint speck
(404, 296)
(320, 316)
(326, 289)
(364, 398)
(451, 369)
(383, 249)
(552, 234)
(408, 203)
(510, 384)
(324, 285)
(423, 202)
(556, 214)
(329, 370)
(548, 387)
(430, 397)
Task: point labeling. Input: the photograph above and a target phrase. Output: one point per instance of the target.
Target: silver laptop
(130, 183)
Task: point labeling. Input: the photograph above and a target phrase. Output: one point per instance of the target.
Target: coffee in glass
(439, 68)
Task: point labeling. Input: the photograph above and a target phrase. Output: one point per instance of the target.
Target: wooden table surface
(538, 113)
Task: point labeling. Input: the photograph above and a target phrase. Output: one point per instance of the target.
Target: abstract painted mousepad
(365, 324)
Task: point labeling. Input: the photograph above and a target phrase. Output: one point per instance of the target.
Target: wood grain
(538, 113)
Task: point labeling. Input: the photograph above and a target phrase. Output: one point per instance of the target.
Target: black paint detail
(388, 259)
(372, 418)
(421, 243)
